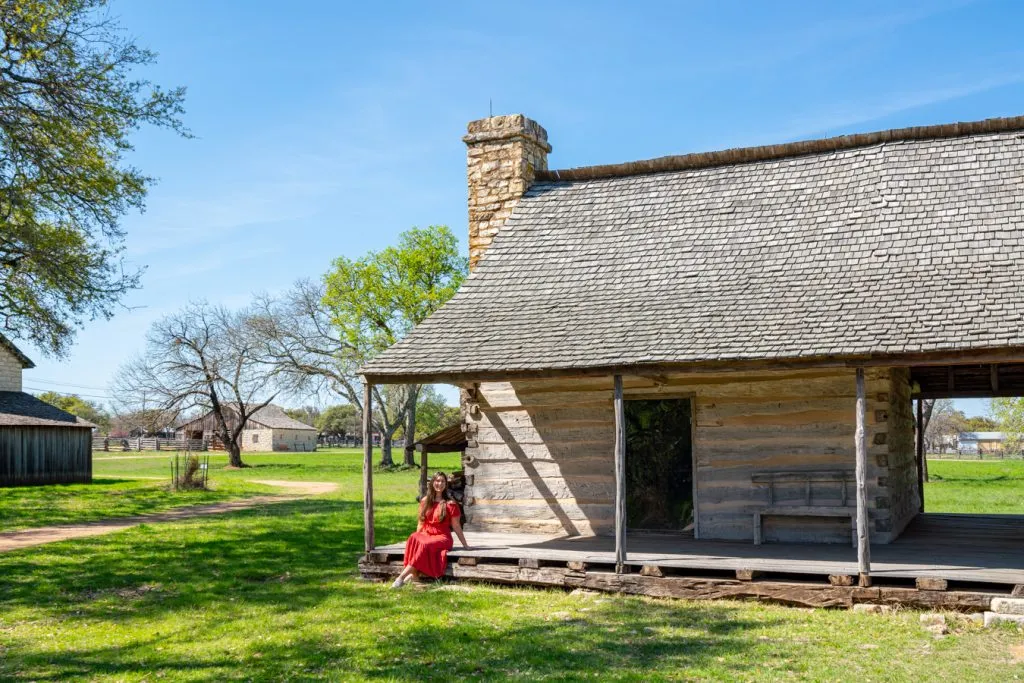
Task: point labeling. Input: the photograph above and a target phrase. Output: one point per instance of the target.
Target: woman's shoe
(398, 583)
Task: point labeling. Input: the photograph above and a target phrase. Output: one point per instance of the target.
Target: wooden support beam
(529, 562)
(620, 478)
(368, 466)
(863, 532)
(841, 579)
(930, 583)
(576, 566)
(468, 561)
(1018, 591)
(747, 574)
(423, 473)
(651, 570)
(919, 446)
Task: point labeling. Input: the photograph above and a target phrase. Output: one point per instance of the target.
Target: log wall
(540, 452)
(45, 455)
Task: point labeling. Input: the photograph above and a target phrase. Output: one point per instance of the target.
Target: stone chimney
(504, 152)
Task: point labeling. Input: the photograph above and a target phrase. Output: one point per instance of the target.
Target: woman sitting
(426, 551)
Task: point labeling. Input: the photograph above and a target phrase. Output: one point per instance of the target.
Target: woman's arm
(457, 527)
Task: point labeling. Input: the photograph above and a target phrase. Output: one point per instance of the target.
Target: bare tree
(205, 358)
(307, 354)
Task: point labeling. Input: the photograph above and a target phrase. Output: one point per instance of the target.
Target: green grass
(972, 486)
(273, 594)
(34, 506)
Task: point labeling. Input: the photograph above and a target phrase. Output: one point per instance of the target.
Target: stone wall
(504, 153)
(10, 371)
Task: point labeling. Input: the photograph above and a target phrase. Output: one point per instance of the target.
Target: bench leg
(757, 528)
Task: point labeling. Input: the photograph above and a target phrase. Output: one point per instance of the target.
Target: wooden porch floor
(972, 549)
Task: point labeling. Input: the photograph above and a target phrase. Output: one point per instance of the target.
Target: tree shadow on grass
(620, 638)
(298, 559)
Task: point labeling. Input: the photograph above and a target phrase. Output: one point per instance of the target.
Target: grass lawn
(34, 506)
(273, 594)
(984, 487)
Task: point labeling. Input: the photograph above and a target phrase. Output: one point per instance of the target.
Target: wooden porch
(941, 560)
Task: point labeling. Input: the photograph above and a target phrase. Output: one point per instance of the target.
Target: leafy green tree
(339, 420)
(374, 301)
(306, 414)
(432, 413)
(70, 96)
(1009, 415)
(979, 423)
(79, 407)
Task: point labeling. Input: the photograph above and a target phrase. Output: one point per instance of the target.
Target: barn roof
(270, 416)
(18, 409)
(7, 344)
(907, 242)
(274, 417)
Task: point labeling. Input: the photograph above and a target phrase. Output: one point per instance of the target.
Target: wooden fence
(146, 443)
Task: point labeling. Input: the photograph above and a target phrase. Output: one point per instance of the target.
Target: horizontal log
(602, 490)
(597, 465)
(551, 450)
(533, 510)
(544, 527)
(710, 409)
(531, 434)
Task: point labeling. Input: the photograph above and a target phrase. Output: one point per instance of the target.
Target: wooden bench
(808, 509)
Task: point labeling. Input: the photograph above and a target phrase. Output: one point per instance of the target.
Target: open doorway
(969, 453)
(659, 464)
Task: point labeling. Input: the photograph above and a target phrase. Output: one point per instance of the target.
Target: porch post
(423, 471)
(368, 465)
(620, 479)
(919, 445)
(863, 537)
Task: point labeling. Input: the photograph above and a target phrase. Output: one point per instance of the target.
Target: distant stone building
(39, 443)
(268, 429)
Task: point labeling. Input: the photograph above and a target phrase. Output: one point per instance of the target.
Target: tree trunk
(234, 453)
(410, 428)
(385, 450)
(926, 417)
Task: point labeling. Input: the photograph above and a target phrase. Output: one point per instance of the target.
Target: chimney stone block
(503, 155)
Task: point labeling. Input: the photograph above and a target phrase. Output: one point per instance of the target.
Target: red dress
(427, 549)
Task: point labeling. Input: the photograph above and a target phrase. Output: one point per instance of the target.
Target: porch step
(1008, 605)
(993, 618)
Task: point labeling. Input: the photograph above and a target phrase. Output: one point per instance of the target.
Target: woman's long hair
(432, 497)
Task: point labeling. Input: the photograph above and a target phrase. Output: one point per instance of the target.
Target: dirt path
(15, 540)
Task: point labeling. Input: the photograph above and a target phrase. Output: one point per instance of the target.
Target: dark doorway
(659, 464)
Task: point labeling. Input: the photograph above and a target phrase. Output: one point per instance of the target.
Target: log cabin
(725, 347)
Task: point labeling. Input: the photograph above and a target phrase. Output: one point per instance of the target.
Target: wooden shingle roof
(909, 245)
(18, 409)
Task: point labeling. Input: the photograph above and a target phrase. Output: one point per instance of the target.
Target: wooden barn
(39, 444)
(682, 374)
(268, 429)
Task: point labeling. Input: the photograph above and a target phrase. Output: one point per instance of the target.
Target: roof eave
(942, 357)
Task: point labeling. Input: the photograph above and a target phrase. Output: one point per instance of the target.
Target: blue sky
(329, 130)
